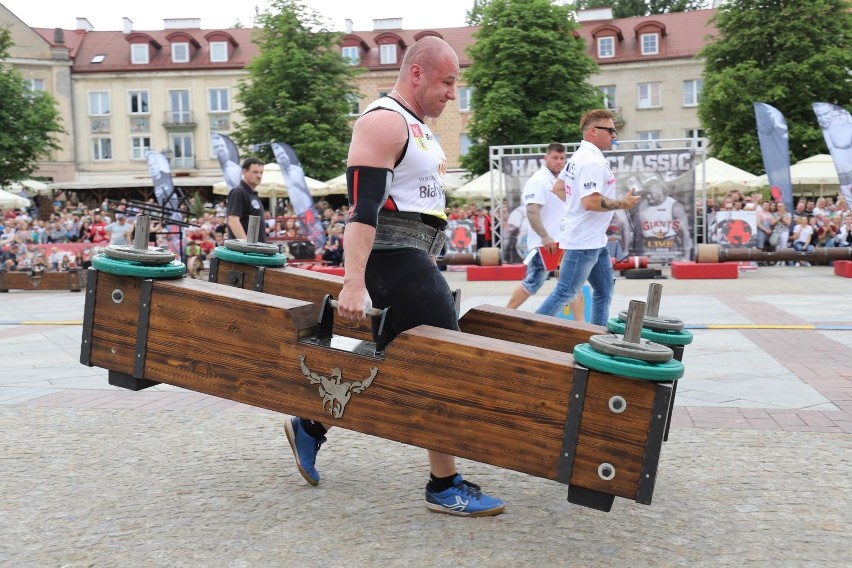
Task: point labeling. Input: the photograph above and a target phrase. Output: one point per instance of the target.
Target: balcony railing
(173, 118)
(618, 119)
(185, 163)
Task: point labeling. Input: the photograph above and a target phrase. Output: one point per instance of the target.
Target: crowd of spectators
(814, 222)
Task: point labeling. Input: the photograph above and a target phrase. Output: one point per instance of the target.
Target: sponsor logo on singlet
(419, 139)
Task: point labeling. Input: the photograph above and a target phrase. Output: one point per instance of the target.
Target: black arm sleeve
(369, 188)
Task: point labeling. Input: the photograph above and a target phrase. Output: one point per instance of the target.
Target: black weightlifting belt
(400, 229)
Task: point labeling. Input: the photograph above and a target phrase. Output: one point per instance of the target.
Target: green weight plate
(253, 259)
(682, 337)
(174, 269)
(633, 368)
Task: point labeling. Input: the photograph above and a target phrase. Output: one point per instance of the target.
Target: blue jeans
(799, 246)
(536, 275)
(578, 266)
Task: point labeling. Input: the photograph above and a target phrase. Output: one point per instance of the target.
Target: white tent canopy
(272, 184)
(11, 201)
(816, 173)
(479, 188)
(719, 176)
(31, 186)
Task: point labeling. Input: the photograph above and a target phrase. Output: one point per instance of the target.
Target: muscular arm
(599, 203)
(536, 224)
(679, 215)
(236, 227)
(377, 140)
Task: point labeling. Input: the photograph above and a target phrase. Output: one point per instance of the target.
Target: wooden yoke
(73, 280)
(525, 408)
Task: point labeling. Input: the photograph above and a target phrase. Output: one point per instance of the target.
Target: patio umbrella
(11, 201)
(31, 186)
(479, 188)
(815, 173)
(721, 176)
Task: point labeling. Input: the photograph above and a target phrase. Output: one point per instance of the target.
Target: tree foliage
(631, 8)
(529, 76)
(785, 53)
(297, 90)
(29, 118)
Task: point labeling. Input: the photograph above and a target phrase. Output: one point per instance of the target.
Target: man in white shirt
(545, 210)
(589, 187)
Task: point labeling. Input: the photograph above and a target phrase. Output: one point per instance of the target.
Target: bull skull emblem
(336, 393)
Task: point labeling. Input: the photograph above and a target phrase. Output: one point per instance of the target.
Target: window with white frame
(218, 100)
(352, 101)
(34, 84)
(101, 149)
(697, 137)
(651, 137)
(606, 46)
(139, 146)
(180, 52)
(464, 144)
(692, 92)
(388, 53)
(464, 98)
(350, 54)
(98, 103)
(218, 51)
(650, 44)
(138, 102)
(138, 53)
(608, 92)
(649, 95)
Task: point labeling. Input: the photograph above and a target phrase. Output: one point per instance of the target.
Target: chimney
(84, 24)
(593, 14)
(181, 23)
(59, 36)
(349, 25)
(387, 24)
(128, 25)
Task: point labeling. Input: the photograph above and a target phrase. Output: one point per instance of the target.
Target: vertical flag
(775, 147)
(836, 124)
(229, 158)
(300, 195)
(168, 197)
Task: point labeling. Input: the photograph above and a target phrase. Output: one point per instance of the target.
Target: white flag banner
(836, 124)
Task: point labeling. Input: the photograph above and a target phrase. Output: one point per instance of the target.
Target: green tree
(785, 53)
(529, 77)
(630, 8)
(30, 120)
(297, 90)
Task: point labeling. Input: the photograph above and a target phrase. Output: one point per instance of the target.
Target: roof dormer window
(388, 53)
(650, 43)
(180, 52)
(218, 51)
(351, 54)
(606, 47)
(139, 53)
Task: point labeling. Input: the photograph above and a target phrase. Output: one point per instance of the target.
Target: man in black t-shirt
(244, 202)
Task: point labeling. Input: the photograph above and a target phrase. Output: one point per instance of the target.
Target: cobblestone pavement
(755, 472)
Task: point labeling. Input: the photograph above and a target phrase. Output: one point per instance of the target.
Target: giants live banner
(836, 124)
(775, 147)
(660, 227)
(300, 195)
(229, 159)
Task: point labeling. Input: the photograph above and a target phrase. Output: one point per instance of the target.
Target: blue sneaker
(464, 499)
(305, 448)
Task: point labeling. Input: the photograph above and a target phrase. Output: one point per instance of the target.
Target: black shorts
(410, 283)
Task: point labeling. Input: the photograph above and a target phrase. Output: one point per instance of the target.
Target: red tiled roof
(458, 38)
(114, 45)
(73, 38)
(685, 34)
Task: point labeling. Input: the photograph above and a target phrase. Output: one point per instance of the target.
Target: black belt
(396, 230)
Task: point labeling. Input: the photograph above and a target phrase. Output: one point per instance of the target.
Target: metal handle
(372, 312)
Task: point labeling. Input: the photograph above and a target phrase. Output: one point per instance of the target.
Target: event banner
(229, 159)
(732, 229)
(660, 227)
(775, 147)
(836, 124)
(168, 196)
(299, 194)
(461, 236)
